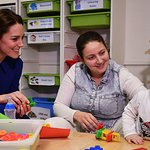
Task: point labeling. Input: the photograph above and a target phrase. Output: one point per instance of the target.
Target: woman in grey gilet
(94, 90)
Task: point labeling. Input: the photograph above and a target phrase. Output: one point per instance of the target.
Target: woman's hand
(86, 120)
(23, 109)
(134, 138)
(21, 103)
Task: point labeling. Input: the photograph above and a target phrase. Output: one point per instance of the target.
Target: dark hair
(87, 37)
(7, 19)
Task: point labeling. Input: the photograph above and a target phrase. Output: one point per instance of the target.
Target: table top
(80, 141)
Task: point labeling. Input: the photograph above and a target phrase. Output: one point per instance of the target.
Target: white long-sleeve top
(136, 116)
(129, 85)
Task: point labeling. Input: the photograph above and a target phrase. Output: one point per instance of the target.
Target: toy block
(115, 137)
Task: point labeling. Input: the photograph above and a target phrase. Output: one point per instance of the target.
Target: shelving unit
(41, 53)
(127, 36)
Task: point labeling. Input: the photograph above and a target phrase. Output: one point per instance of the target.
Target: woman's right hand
(19, 100)
(134, 138)
(86, 120)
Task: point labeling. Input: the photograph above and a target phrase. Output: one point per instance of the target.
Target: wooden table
(80, 141)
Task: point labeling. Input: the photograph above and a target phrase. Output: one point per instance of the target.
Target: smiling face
(96, 57)
(11, 42)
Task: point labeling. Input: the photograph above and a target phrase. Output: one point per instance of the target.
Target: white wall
(130, 36)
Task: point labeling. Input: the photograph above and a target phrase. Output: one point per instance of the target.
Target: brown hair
(87, 37)
(7, 19)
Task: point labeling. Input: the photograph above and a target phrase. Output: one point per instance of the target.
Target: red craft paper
(140, 149)
(49, 132)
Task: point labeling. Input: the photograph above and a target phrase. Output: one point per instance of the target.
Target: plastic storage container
(43, 37)
(43, 79)
(43, 108)
(44, 99)
(21, 126)
(42, 23)
(42, 7)
(79, 6)
(90, 20)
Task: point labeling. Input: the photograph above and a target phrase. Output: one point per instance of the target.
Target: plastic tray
(71, 62)
(42, 7)
(21, 126)
(43, 79)
(42, 23)
(42, 109)
(79, 6)
(90, 20)
(43, 37)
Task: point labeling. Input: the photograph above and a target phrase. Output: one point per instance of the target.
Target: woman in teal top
(11, 40)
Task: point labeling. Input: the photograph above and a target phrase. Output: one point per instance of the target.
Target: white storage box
(43, 37)
(21, 126)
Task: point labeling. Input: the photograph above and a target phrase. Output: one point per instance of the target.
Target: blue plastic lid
(97, 147)
(92, 148)
(9, 106)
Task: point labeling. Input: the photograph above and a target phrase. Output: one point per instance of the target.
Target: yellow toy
(107, 135)
(46, 125)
